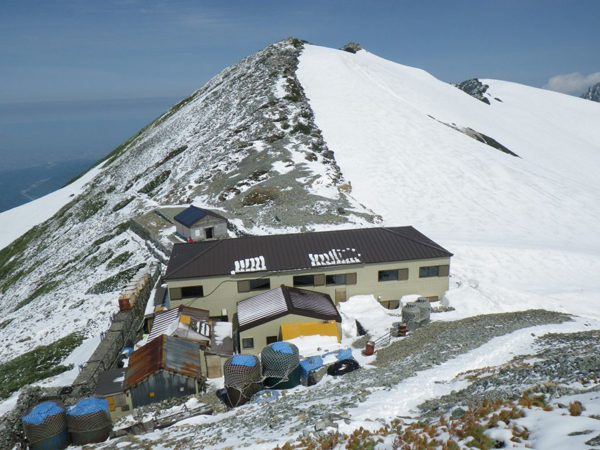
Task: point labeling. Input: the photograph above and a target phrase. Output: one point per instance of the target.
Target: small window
(271, 339)
(430, 271)
(125, 408)
(248, 343)
(192, 292)
(388, 275)
(260, 285)
(304, 280)
(334, 280)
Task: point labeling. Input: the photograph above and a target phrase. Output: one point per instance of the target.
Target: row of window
(340, 279)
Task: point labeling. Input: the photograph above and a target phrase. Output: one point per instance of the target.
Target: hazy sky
(78, 77)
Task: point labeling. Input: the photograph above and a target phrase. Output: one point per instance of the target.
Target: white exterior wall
(222, 292)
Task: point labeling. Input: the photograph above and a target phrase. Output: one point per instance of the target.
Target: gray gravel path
(325, 404)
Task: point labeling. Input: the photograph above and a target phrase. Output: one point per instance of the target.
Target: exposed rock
(474, 88)
(593, 93)
(352, 47)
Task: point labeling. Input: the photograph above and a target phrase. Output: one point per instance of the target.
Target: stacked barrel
(89, 421)
(46, 427)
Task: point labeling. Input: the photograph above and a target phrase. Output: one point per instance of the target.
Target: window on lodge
(248, 343)
(260, 285)
(388, 275)
(192, 292)
(429, 271)
(304, 280)
(334, 280)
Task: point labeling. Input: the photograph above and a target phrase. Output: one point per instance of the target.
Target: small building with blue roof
(200, 224)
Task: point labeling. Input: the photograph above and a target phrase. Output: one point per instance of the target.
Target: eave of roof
(291, 309)
(291, 252)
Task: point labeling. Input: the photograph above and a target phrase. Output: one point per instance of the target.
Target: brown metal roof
(300, 251)
(280, 302)
(163, 353)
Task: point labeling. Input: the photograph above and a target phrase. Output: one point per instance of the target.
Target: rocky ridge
(245, 144)
(593, 93)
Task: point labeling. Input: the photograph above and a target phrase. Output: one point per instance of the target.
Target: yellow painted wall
(294, 330)
(222, 292)
(273, 328)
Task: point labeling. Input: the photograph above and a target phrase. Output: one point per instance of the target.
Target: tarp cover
(41, 412)
(88, 406)
(283, 347)
(244, 360)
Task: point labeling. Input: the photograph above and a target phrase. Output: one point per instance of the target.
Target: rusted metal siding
(163, 353)
(182, 357)
(162, 386)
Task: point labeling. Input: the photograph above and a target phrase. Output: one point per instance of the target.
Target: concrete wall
(198, 230)
(273, 328)
(222, 292)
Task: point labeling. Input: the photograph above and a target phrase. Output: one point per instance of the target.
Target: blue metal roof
(191, 215)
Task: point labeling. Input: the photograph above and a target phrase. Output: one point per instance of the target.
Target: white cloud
(572, 83)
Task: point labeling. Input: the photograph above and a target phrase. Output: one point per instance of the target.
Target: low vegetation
(45, 288)
(445, 433)
(119, 260)
(150, 187)
(38, 364)
(115, 282)
(122, 204)
(90, 208)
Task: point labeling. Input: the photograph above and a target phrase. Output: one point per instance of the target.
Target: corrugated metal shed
(284, 300)
(163, 319)
(191, 215)
(163, 353)
(301, 251)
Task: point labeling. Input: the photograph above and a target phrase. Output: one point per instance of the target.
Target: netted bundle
(89, 421)
(242, 370)
(243, 376)
(279, 359)
(425, 308)
(47, 421)
(411, 313)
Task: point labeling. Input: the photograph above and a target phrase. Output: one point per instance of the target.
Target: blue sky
(78, 77)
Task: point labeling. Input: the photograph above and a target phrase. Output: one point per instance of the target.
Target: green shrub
(89, 208)
(115, 282)
(150, 187)
(119, 260)
(122, 204)
(5, 323)
(37, 364)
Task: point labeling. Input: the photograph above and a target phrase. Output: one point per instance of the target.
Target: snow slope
(526, 228)
(17, 221)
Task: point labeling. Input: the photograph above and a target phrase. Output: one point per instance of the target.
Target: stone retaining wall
(124, 327)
